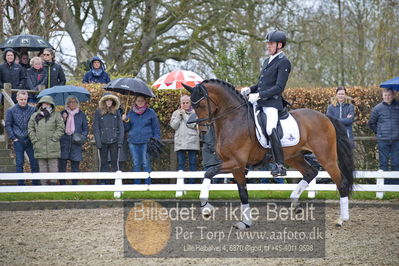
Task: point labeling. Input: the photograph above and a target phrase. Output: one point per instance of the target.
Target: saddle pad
(291, 134)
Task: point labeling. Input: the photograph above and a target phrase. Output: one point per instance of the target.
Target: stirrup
(278, 170)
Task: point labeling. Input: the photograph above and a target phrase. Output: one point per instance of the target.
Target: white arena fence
(118, 187)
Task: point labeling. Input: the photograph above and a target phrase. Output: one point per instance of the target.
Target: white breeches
(272, 119)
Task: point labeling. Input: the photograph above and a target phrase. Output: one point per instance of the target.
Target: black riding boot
(278, 168)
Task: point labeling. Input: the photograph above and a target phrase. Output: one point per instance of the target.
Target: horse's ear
(190, 89)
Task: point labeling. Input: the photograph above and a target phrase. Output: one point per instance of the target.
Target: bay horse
(219, 103)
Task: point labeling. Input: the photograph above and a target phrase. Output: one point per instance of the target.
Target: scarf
(140, 110)
(189, 110)
(70, 123)
(97, 72)
(49, 65)
(39, 74)
(44, 113)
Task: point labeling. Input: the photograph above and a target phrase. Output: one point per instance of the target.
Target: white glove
(253, 97)
(245, 91)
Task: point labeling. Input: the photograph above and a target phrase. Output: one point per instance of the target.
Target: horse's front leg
(206, 207)
(225, 167)
(246, 219)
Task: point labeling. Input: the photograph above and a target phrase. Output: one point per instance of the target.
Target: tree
(75, 15)
(330, 43)
(386, 48)
(154, 31)
(234, 67)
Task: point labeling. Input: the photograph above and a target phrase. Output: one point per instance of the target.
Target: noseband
(211, 118)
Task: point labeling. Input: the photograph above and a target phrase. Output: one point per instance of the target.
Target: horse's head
(203, 105)
(214, 99)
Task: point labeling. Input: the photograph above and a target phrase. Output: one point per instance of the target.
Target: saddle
(262, 119)
(287, 127)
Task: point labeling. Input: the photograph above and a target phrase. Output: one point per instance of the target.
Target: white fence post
(380, 182)
(312, 193)
(118, 182)
(179, 181)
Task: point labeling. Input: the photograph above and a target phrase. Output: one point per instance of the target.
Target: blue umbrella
(61, 93)
(391, 84)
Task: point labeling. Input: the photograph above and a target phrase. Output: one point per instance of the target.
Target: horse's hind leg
(329, 163)
(308, 172)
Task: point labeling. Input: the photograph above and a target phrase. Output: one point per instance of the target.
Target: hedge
(318, 99)
(167, 101)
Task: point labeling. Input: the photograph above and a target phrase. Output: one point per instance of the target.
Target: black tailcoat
(272, 81)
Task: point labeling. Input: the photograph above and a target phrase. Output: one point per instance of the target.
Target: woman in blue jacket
(97, 73)
(342, 109)
(142, 124)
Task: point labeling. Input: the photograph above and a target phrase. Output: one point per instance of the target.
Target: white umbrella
(173, 80)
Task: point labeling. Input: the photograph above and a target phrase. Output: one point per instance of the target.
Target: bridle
(211, 118)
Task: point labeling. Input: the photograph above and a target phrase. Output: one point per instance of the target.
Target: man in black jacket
(55, 73)
(384, 121)
(10, 72)
(267, 93)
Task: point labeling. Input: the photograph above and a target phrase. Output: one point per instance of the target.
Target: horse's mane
(230, 88)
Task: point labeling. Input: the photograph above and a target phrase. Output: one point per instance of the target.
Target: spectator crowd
(51, 138)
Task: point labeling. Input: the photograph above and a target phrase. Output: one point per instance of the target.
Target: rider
(267, 93)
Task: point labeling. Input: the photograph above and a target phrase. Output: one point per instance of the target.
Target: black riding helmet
(276, 36)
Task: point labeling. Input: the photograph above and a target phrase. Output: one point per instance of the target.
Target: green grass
(358, 195)
(29, 196)
(214, 195)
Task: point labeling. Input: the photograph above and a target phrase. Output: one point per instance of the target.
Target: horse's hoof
(295, 204)
(298, 209)
(241, 226)
(339, 223)
(207, 210)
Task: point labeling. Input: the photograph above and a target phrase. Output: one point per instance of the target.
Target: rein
(210, 119)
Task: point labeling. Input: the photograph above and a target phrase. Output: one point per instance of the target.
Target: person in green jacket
(45, 129)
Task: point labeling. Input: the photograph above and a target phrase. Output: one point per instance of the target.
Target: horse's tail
(345, 157)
